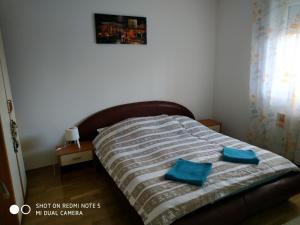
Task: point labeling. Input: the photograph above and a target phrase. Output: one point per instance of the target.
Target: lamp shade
(72, 134)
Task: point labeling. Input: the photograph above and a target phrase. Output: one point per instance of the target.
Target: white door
(7, 116)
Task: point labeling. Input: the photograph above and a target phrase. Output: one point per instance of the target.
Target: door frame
(6, 218)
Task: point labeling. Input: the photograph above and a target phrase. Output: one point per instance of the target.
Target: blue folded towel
(240, 156)
(189, 172)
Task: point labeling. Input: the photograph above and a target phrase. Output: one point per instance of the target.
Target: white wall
(231, 86)
(60, 76)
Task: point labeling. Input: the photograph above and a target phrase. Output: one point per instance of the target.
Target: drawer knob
(76, 158)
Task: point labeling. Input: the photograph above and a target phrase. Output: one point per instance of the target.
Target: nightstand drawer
(215, 128)
(76, 158)
(212, 124)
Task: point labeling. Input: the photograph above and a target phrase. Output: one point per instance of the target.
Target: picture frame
(117, 29)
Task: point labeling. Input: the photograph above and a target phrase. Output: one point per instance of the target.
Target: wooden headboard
(88, 127)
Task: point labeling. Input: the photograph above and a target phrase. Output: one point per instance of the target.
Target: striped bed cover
(137, 152)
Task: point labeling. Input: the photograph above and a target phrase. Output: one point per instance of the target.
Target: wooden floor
(85, 184)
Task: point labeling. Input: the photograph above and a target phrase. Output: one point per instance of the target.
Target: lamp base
(73, 142)
(78, 143)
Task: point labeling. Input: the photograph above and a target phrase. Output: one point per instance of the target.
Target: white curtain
(275, 77)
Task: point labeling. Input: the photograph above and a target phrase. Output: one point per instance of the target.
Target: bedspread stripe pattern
(137, 152)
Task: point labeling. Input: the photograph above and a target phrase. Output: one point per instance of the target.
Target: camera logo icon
(25, 209)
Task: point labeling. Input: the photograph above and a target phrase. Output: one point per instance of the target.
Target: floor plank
(85, 184)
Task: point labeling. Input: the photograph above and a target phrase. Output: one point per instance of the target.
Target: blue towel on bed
(189, 172)
(240, 156)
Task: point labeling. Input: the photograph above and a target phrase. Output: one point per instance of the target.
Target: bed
(224, 207)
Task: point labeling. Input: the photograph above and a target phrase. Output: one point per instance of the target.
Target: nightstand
(71, 154)
(212, 124)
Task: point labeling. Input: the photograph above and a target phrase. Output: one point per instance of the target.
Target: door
(12, 116)
(10, 136)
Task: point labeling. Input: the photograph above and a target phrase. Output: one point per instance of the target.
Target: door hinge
(9, 106)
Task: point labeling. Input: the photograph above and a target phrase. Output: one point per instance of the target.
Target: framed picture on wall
(114, 29)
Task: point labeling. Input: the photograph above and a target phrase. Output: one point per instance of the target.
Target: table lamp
(72, 135)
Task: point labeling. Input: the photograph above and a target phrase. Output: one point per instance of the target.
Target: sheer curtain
(275, 77)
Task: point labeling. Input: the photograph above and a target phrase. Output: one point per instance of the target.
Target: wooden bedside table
(212, 124)
(71, 154)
